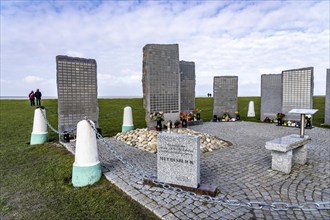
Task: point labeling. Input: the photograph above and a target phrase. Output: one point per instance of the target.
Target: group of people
(209, 95)
(35, 96)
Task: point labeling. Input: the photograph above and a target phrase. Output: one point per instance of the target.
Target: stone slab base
(85, 175)
(203, 189)
(127, 128)
(38, 138)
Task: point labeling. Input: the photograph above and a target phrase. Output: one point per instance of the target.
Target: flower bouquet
(197, 114)
(280, 117)
(183, 118)
(225, 116)
(190, 116)
(157, 116)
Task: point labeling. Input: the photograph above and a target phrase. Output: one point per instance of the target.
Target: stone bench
(288, 150)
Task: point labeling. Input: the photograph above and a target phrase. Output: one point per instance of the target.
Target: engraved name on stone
(178, 159)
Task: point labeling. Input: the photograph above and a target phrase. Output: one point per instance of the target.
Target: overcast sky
(243, 38)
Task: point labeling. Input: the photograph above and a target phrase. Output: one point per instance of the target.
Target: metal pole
(302, 125)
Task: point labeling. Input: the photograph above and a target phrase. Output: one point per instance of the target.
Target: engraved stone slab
(225, 90)
(178, 159)
(303, 111)
(327, 100)
(297, 90)
(76, 91)
(271, 95)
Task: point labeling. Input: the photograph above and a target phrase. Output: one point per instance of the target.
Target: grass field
(35, 180)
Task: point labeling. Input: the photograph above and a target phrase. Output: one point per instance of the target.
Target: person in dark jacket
(38, 97)
(31, 98)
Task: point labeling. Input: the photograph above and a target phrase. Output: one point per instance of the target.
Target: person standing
(31, 98)
(38, 97)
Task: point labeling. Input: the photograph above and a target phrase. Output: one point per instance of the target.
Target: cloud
(74, 54)
(32, 79)
(244, 38)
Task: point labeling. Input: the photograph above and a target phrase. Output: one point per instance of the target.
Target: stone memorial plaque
(187, 85)
(327, 100)
(297, 91)
(161, 81)
(178, 159)
(303, 111)
(76, 91)
(225, 99)
(271, 95)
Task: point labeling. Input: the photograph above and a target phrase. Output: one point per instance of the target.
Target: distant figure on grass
(31, 98)
(38, 97)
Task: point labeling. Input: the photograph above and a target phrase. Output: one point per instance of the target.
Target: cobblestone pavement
(242, 172)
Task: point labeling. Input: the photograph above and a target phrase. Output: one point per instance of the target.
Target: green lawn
(35, 180)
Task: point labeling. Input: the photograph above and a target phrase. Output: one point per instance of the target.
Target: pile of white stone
(146, 139)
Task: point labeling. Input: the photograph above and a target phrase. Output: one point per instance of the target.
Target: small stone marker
(178, 159)
(251, 112)
(127, 119)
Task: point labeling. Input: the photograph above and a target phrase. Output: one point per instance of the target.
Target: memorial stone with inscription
(161, 80)
(327, 100)
(187, 85)
(271, 95)
(225, 89)
(297, 93)
(178, 159)
(76, 91)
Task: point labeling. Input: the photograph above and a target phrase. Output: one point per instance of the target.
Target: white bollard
(39, 132)
(86, 167)
(251, 112)
(127, 119)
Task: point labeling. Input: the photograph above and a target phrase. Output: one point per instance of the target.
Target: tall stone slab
(327, 100)
(298, 85)
(161, 80)
(271, 95)
(76, 91)
(178, 159)
(188, 82)
(225, 89)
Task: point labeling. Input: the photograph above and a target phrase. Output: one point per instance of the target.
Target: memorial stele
(161, 80)
(271, 95)
(187, 85)
(327, 100)
(293, 89)
(76, 91)
(225, 91)
(298, 86)
(178, 159)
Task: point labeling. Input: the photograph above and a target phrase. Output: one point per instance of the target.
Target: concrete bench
(288, 150)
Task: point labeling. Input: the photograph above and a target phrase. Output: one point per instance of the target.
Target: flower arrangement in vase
(184, 118)
(197, 114)
(158, 117)
(225, 116)
(280, 117)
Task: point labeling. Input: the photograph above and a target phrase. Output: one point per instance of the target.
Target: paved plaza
(242, 172)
